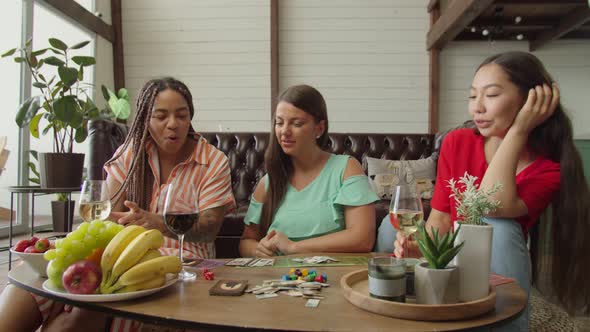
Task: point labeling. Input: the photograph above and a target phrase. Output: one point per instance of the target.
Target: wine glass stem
(405, 247)
(181, 240)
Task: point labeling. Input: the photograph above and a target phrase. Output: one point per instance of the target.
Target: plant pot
(59, 211)
(435, 286)
(474, 261)
(61, 170)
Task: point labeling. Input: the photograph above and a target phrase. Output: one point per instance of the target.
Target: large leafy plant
(438, 251)
(472, 202)
(64, 101)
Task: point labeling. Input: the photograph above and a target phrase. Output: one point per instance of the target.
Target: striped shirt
(208, 169)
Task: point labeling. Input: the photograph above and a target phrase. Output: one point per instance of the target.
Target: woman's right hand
(541, 103)
(404, 247)
(265, 247)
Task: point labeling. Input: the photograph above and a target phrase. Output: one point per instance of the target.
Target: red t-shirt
(463, 151)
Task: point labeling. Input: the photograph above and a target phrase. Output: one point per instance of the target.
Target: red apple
(42, 245)
(82, 277)
(31, 250)
(33, 240)
(22, 245)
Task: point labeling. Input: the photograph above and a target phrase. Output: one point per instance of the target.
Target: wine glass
(181, 211)
(405, 209)
(94, 200)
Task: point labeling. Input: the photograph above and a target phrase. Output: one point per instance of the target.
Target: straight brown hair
(570, 222)
(279, 167)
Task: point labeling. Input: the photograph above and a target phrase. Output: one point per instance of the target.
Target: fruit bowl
(35, 260)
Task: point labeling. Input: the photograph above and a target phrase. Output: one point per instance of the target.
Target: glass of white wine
(405, 209)
(95, 202)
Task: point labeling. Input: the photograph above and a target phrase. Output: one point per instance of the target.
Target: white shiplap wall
(219, 48)
(568, 61)
(367, 58)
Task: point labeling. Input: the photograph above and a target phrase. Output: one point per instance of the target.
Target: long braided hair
(138, 182)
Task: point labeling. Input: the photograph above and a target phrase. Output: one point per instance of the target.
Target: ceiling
(536, 21)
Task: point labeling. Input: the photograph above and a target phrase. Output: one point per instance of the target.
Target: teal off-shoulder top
(317, 209)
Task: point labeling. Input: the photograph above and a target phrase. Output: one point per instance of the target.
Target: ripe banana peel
(146, 271)
(150, 254)
(151, 239)
(149, 284)
(114, 249)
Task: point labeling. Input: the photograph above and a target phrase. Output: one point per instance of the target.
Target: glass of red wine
(181, 212)
(405, 210)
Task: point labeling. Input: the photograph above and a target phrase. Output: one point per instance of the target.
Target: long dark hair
(138, 182)
(278, 165)
(570, 227)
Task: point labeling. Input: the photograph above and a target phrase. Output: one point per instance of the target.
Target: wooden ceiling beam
(541, 22)
(88, 20)
(455, 18)
(541, 2)
(570, 22)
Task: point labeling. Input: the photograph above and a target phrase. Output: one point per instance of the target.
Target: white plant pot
(473, 261)
(435, 286)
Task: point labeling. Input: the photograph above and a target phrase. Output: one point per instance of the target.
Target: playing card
(262, 262)
(312, 303)
(266, 296)
(239, 262)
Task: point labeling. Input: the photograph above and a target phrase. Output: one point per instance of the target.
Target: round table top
(189, 305)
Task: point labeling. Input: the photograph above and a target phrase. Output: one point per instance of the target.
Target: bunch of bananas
(131, 261)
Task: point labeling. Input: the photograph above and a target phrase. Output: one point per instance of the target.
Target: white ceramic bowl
(36, 261)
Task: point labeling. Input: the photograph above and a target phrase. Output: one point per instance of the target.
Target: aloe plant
(438, 251)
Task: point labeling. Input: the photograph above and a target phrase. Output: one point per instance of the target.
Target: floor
(582, 323)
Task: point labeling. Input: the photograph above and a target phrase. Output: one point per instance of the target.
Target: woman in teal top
(310, 200)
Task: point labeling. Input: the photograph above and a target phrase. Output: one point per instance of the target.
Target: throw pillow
(385, 174)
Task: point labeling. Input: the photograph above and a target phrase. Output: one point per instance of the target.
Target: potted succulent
(436, 280)
(63, 105)
(473, 204)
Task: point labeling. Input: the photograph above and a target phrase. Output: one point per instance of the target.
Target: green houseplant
(473, 204)
(64, 105)
(436, 281)
(438, 251)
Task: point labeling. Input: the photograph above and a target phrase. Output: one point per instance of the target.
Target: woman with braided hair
(161, 147)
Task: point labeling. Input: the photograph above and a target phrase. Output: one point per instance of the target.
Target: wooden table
(188, 304)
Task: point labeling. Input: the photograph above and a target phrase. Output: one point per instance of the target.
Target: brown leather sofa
(246, 159)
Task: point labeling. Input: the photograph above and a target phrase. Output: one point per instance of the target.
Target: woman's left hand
(283, 244)
(539, 106)
(139, 217)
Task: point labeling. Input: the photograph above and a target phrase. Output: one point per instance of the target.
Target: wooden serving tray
(355, 286)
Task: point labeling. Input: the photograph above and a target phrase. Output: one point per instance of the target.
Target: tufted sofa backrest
(246, 152)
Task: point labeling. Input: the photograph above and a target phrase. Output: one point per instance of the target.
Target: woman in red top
(524, 141)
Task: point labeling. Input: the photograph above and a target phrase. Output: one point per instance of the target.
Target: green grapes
(77, 245)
